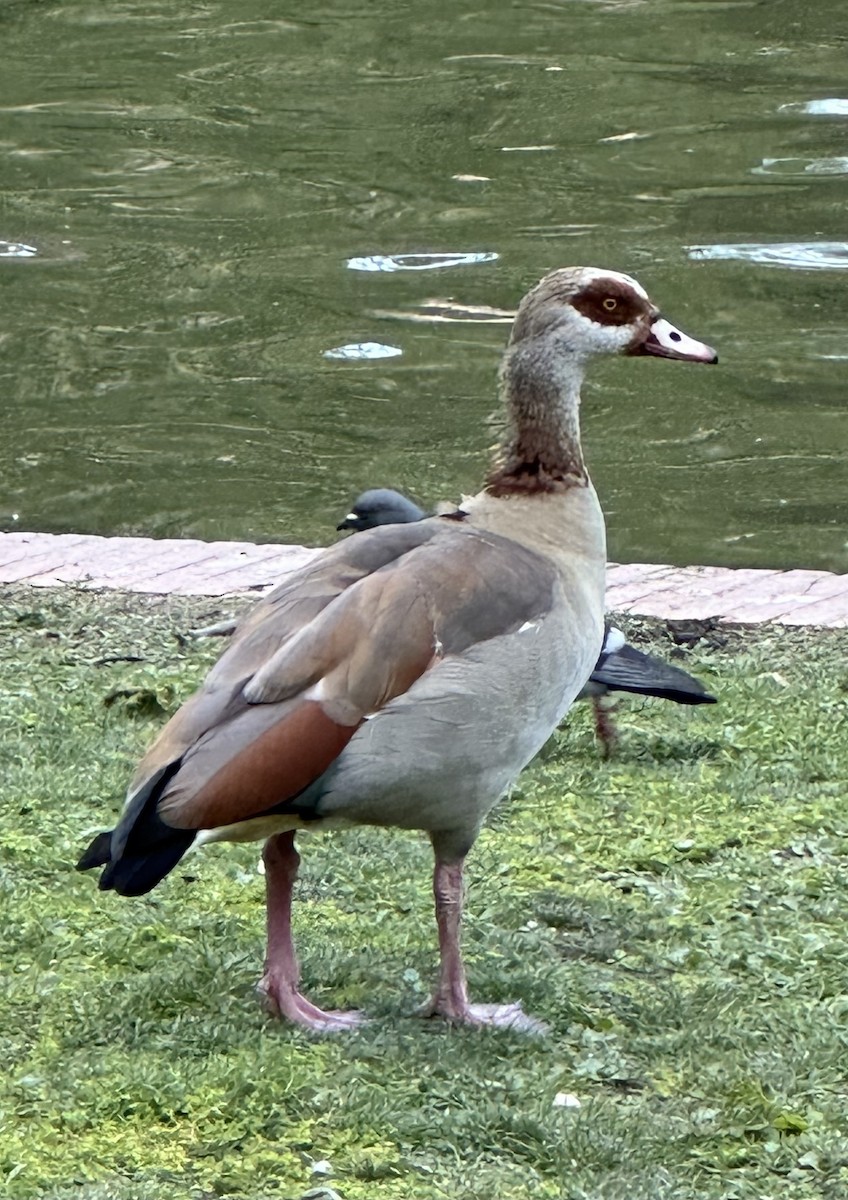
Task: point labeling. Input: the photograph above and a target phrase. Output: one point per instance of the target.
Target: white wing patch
(614, 640)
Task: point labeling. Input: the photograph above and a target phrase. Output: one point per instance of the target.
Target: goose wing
(333, 645)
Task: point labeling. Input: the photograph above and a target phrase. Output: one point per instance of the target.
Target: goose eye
(610, 303)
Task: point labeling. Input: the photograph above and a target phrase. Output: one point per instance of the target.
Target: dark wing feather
(631, 670)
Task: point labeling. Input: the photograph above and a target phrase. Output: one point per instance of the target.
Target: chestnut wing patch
(280, 728)
(277, 618)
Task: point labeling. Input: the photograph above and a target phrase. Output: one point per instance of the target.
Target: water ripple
(418, 262)
(807, 256)
(430, 311)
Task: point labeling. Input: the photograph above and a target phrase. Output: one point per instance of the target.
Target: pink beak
(665, 341)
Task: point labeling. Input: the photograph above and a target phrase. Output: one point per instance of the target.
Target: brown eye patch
(610, 302)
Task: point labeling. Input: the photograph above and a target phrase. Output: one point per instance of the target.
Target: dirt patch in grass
(675, 914)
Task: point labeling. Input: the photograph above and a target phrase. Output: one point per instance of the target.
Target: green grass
(676, 915)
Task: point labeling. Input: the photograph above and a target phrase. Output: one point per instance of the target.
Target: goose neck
(540, 450)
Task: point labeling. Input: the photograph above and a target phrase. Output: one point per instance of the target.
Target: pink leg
(450, 999)
(282, 972)
(605, 725)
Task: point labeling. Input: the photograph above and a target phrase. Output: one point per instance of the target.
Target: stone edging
(194, 568)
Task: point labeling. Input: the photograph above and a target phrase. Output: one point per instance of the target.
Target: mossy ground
(677, 916)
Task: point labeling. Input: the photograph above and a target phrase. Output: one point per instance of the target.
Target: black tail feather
(98, 853)
(142, 849)
(141, 867)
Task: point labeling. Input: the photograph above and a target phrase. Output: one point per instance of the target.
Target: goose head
(572, 316)
(585, 311)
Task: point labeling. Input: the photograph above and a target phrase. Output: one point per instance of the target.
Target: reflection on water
(808, 256)
(527, 149)
(802, 166)
(224, 228)
(16, 250)
(363, 350)
(818, 108)
(417, 262)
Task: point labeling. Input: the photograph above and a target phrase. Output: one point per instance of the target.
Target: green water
(195, 178)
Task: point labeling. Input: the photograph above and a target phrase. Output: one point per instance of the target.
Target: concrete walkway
(194, 568)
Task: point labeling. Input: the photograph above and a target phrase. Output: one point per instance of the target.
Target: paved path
(195, 568)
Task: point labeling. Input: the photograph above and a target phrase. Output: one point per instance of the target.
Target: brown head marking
(610, 301)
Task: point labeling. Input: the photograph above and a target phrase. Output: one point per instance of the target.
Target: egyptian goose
(406, 675)
(620, 667)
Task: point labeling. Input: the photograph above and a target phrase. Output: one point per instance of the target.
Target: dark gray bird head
(381, 506)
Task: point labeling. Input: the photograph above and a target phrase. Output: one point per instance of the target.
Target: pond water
(252, 251)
